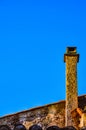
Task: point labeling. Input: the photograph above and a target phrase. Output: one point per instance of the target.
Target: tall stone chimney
(71, 58)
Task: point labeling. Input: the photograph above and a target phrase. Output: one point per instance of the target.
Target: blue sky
(34, 35)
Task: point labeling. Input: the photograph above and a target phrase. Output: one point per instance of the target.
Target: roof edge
(38, 107)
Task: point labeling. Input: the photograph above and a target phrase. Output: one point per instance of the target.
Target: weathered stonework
(53, 114)
(83, 120)
(48, 115)
(71, 58)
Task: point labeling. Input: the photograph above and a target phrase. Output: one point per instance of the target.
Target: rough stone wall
(52, 114)
(71, 87)
(48, 115)
(83, 120)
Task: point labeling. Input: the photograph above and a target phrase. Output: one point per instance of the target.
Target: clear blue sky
(34, 35)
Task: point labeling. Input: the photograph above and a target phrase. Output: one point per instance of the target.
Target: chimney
(71, 58)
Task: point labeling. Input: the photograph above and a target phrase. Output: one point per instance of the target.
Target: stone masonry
(71, 58)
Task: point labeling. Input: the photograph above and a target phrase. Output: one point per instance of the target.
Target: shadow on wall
(37, 127)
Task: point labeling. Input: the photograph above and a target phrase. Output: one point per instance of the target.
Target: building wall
(52, 114)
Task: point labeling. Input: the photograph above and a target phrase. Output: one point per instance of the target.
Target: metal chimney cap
(71, 50)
